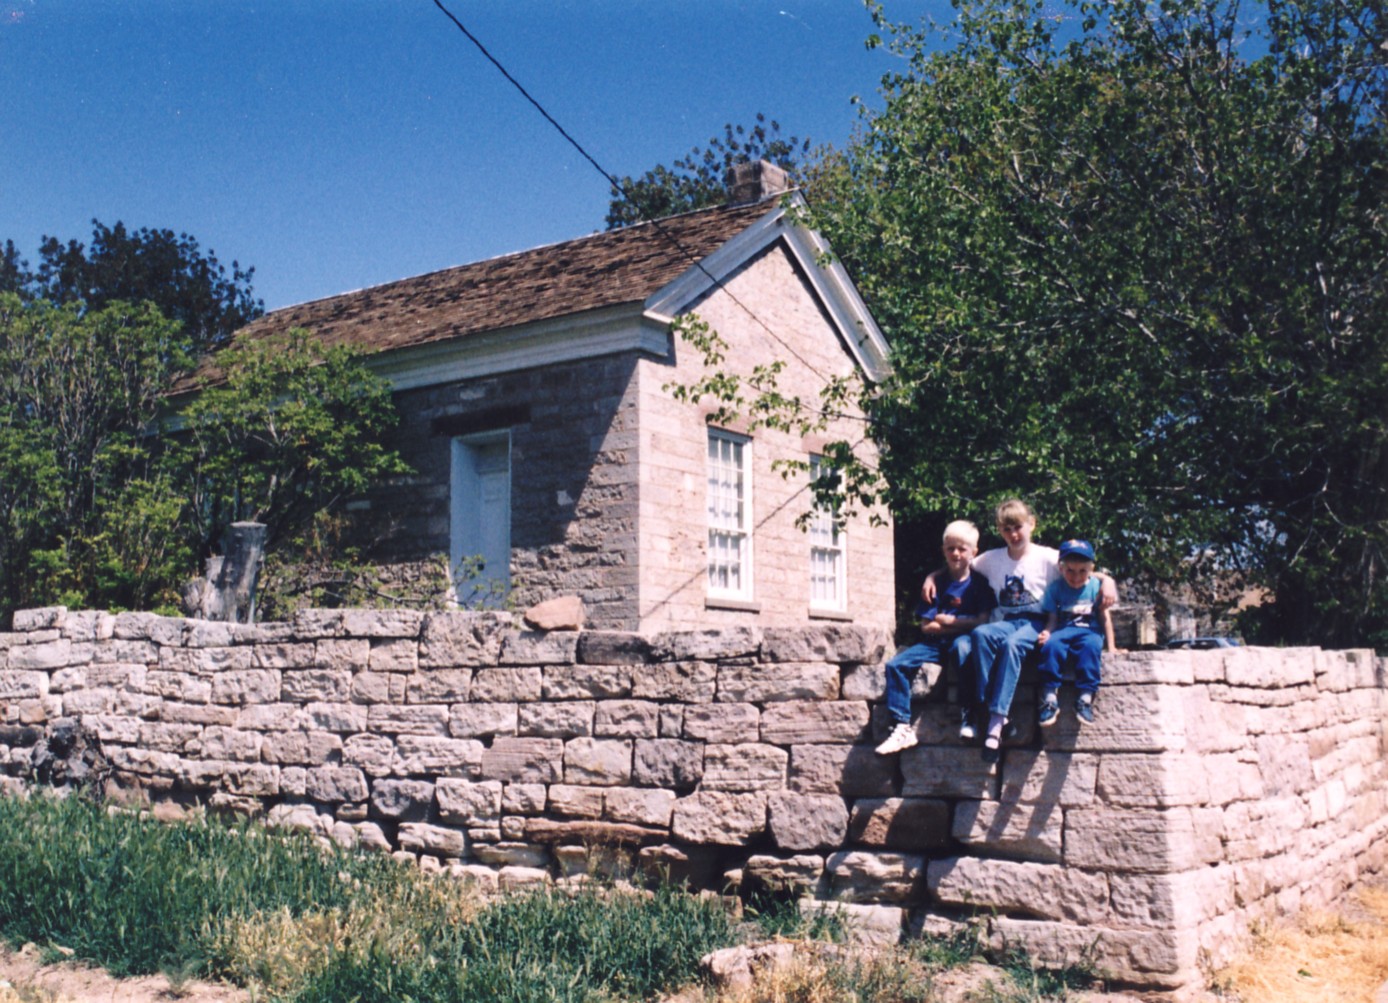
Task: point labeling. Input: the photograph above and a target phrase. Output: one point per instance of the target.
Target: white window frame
(729, 513)
(828, 556)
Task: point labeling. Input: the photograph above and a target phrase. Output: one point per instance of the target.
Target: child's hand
(1043, 637)
(945, 619)
(930, 627)
(928, 590)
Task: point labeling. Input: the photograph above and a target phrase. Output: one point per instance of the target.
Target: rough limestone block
(106, 728)
(23, 685)
(305, 748)
(230, 743)
(1173, 900)
(838, 643)
(800, 822)
(875, 876)
(1007, 886)
(42, 618)
(706, 645)
(246, 687)
(560, 613)
(273, 717)
(720, 818)
(559, 719)
(283, 656)
(1284, 762)
(162, 630)
(597, 761)
(524, 760)
(505, 855)
(610, 647)
(408, 800)
(868, 682)
(328, 685)
(667, 762)
(462, 638)
(418, 837)
(342, 653)
(1063, 778)
(144, 761)
(46, 657)
(337, 783)
(687, 682)
(1135, 667)
(1137, 839)
(374, 755)
(809, 722)
(468, 802)
(639, 805)
(586, 682)
(393, 655)
(437, 686)
(745, 767)
(1153, 781)
(928, 771)
(1154, 958)
(1269, 668)
(1139, 718)
(383, 623)
(516, 879)
(727, 722)
(1213, 726)
(414, 719)
(506, 685)
(1012, 829)
(919, 824)
(800, 872)
(435, 755)
(381, 687)
(316, 623)
(87, 625)
(482, 720)
(849, 770)
(575, 802)
(671, 720)
(524, 799)
(539, 648)
(627, 719)
(179, 686)
(163, 737)
(774, 682)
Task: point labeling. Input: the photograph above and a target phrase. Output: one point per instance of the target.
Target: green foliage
(695, 181)
(156, 266)
(1131, 263)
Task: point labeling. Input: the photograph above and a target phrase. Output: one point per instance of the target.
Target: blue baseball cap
(1077, 548)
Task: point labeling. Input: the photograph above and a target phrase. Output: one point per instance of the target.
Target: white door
(480, 519)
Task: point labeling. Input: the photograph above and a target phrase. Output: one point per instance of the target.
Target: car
(1204, 643)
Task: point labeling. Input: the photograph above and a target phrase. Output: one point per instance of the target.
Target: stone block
(586, 682)
(149, 627)
(505, 855)
(437, 686)
(866, 682)
(435, 755)
(381, 687)
(725, 722)
(875, 876)
(667, 762)
(349, 654)
(639, 805)
(468, 802)
(283, 656)
(462, 638)
(163, 737)
(408, 800)
(800, 872)
(1153, 781)
(413, 719)
(328, 685)
(849, 770)
(720, 818)
(907, 824)
(687, 682)
(838, 643)
(273, 717)
(87, 625)
(399, 655)
(382, 623)
(41, 618)
(1152, 958)
(1011, 829)
(671, 720)
(776, 682)
(179, 686)
(799, 822)
(596, 761)
(306, 748)
(506, 685)
(316, 623)
(609, 647)
(482, 720)
(524, 760)
(930, 771)
(1269, 668)
(575, 802)
(539, 648)
(30, 685)
(706, 645)
(1141, 840)
(746, 767)
(372, 754)
(524, 799)
(419, 837)
(1173, 668)
(246, 686)
(627, 719)
(801, 722)
(1031, 890)
(1063, 778)
(48, 656)
(558, 719)
(231, 744)
(1139, 718)
(336, 783)
(584, 831)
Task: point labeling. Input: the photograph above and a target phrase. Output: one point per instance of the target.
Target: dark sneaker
(991, 752)
(1049, 710)
(1084, 708)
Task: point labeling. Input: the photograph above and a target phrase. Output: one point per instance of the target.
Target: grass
(1322, 957)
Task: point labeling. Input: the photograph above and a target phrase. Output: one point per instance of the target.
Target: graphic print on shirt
(1013, 592)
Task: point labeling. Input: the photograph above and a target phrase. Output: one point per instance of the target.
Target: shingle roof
(605, 269)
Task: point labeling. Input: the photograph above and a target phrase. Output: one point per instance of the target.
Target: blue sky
(335, 144)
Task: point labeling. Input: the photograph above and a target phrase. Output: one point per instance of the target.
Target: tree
(695, 181)
(1134, 270)
(158, 266)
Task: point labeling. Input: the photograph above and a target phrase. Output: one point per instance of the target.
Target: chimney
(752, 182)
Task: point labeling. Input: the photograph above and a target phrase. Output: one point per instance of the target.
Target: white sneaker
(903, 736)
(967, 730)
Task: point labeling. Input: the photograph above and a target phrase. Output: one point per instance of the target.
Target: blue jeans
(998, 650)
(1080, 647)
(903, 666)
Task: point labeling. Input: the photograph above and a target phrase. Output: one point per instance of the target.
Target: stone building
(537, 413)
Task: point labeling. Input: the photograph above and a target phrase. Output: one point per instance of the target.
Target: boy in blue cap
(1076, 634)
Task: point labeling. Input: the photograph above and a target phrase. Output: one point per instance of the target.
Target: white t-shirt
(1020, 584)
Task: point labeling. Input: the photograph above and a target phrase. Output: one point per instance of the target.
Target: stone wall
(1215, 788)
